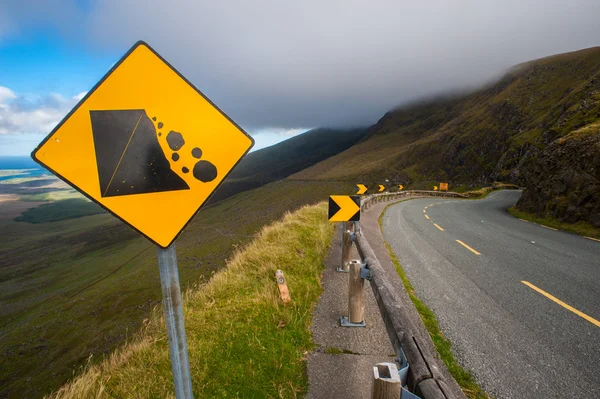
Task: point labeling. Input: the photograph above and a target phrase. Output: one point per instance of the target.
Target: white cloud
(79, 96)
(283, 132)
(6, 94)
(23, 114)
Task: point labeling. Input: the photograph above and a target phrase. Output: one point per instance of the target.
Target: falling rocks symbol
(130, 159)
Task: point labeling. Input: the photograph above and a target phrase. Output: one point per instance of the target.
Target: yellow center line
(438, 226)
(427, 217)
(592, 238)
(424, 211)
(468, 247)
(561, 303)
(548, 227)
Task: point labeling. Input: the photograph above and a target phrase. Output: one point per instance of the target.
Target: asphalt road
(517, 341)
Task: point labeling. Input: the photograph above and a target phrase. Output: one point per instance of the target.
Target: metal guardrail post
(169, 281)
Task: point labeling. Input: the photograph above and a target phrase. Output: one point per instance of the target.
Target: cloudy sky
(275, 67)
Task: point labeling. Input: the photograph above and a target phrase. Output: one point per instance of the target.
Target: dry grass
(242, 341)
(484, 191)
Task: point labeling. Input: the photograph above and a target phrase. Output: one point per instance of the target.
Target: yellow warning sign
(344, 208)
(443, 186)
(146, 145)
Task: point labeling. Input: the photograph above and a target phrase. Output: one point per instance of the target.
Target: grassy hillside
(490, 134)
(76, 288)
(243, 341)
(283, 159)
(60, 210)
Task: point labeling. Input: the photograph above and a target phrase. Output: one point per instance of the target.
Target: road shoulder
(331, 372)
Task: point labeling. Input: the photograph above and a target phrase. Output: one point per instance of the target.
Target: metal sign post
(169, 281)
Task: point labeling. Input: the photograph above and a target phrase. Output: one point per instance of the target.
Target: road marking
(592, 238)
(523, 220)
(425, 208)
(468, 247)
(561, 303)
(438, 226)
(427, 217)
(548, 227)
(424, 211)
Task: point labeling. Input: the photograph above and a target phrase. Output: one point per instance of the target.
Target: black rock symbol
(128, 155)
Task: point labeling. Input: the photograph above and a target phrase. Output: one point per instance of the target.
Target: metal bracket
(345, 323)
(353, 236)
(365, 273)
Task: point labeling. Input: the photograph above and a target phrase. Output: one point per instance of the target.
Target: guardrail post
(356, 297)
(386, 381)
(347, 229)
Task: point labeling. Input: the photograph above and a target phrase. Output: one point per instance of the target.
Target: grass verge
(243, 342)
(581, 227)
(484, 191)
(463, 377)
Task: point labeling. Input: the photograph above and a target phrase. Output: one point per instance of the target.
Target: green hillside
(527, 128)
(478, 137)
(283, 159)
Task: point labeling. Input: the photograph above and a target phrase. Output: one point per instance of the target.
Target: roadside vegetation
(463, 377)
(60, 210)
(243, 341)
(581, 227)
(77, 288)
(484, 191)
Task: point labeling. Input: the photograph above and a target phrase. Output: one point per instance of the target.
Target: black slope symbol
(128, 155)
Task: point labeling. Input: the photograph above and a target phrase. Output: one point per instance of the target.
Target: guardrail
(369, 200)
(418, 371)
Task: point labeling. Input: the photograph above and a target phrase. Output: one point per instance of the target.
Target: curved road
(519, 302)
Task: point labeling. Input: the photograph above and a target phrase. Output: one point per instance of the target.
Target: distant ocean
(21, 162)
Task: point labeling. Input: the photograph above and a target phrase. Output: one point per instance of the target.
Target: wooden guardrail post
(356, 297)
(386, 381)
(347, 229)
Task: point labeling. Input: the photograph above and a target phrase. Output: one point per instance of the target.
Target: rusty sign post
(150, 148)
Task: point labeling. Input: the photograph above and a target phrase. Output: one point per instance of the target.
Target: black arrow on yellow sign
(344, 208)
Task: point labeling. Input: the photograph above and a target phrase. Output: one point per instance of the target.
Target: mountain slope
(478, 137)
(283, 159)
(537, 127)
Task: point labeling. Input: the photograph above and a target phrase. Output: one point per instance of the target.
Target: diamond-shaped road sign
(344, 208)
(146, 145)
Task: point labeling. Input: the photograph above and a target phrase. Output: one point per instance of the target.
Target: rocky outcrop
(564, 180)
